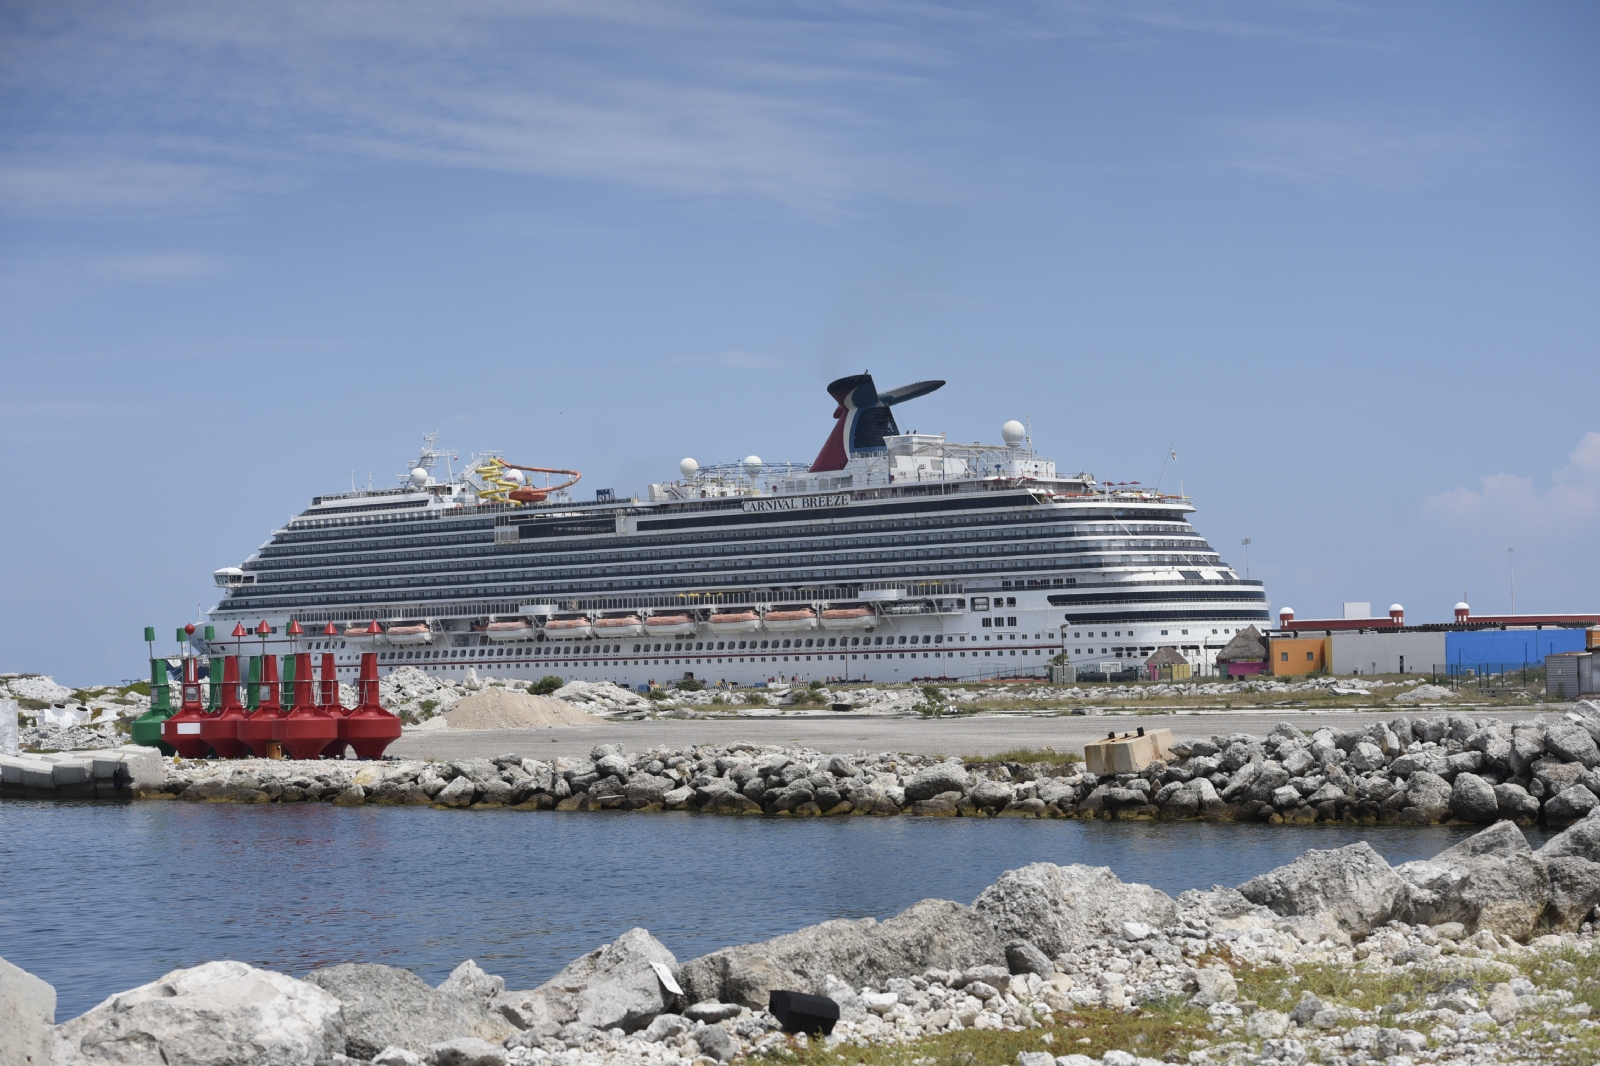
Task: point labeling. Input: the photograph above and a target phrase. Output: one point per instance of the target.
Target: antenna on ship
(1172, 454)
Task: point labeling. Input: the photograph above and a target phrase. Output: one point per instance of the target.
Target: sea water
(99, 898)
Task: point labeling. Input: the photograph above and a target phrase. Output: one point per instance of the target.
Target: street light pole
(1246, 543)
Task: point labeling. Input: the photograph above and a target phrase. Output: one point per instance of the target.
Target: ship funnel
(863, 418)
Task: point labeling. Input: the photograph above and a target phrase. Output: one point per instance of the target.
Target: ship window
(658, 647)
(986, 622)
(636, 647)
(938, 638)
(786, 644)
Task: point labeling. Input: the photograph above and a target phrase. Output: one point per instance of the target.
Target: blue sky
(1343, 257)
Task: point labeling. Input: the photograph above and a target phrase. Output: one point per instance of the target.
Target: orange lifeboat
(790, 621)
(568, 628)
(508, 630)
(847, 617)
(667, 625)
(625, 626)
(735, 622)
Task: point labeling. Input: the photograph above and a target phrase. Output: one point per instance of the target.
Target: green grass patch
(1168, 1033)
(1026, 756)
(545, 685)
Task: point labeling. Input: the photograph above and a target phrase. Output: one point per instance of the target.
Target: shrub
(816, 685)
(690, 684)
(428, 707)
(805, 697)
(658, 694)
(545, 685)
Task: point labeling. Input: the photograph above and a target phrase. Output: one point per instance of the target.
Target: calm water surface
(98, 898)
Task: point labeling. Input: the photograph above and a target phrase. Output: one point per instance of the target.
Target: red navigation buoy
(239, 630)
(221, 730)
(309, 728)
(332, 707)
(182, 730)
(264, 726)
(369, 727)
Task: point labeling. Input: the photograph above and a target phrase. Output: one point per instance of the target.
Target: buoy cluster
(297, 716)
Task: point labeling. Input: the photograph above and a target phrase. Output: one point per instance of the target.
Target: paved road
(980, 735)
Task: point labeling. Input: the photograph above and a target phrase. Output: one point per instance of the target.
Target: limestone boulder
(945, 777)
(1352, 886)
(615, 986)
(1574, 892)
(932, 934)
(1569, 805)
(27, 1010)
(1472, 799)
(1057, 908)
(1515, 803)
(218, 1014)
(389, 1006)
(1489, 881)
(1570, 742)
(1580, 840)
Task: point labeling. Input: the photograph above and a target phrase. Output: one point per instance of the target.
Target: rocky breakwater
(1469, 957)
(1415, 770)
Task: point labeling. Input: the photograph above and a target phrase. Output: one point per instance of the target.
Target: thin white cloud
(1513, 505)
(156, 268)
(814, 106)
(1387, 152)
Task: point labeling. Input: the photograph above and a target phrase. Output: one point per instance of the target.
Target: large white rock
(615, 986)
(27, 1010)
(38, 688)
(1060, 907)
(1352, 886)
(218, 1014)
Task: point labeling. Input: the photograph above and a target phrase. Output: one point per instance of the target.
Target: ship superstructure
(892, 557)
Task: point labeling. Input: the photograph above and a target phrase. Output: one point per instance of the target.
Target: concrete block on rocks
(27, 1011)
(70, 774)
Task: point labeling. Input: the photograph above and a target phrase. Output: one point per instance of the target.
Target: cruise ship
(892, 557)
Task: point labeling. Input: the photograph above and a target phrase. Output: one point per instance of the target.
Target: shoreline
(1424, 770)
(1485, 952)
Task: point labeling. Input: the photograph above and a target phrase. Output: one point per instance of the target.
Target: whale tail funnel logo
(863, 418)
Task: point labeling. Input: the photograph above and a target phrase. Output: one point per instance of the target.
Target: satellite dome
(688, 468)
(516, 477)
(1462, 606)
(1393, 607)
(752, 465)
(1013, 433)
(419, 477)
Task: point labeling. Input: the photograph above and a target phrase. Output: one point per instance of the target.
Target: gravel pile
(503, 708)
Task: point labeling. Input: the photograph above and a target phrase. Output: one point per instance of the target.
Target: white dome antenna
(1013, 433)
(752, 465)
(419, 477)
(516, 477)
(688, 468)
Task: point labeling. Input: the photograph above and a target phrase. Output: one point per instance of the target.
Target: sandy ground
(978, 735)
